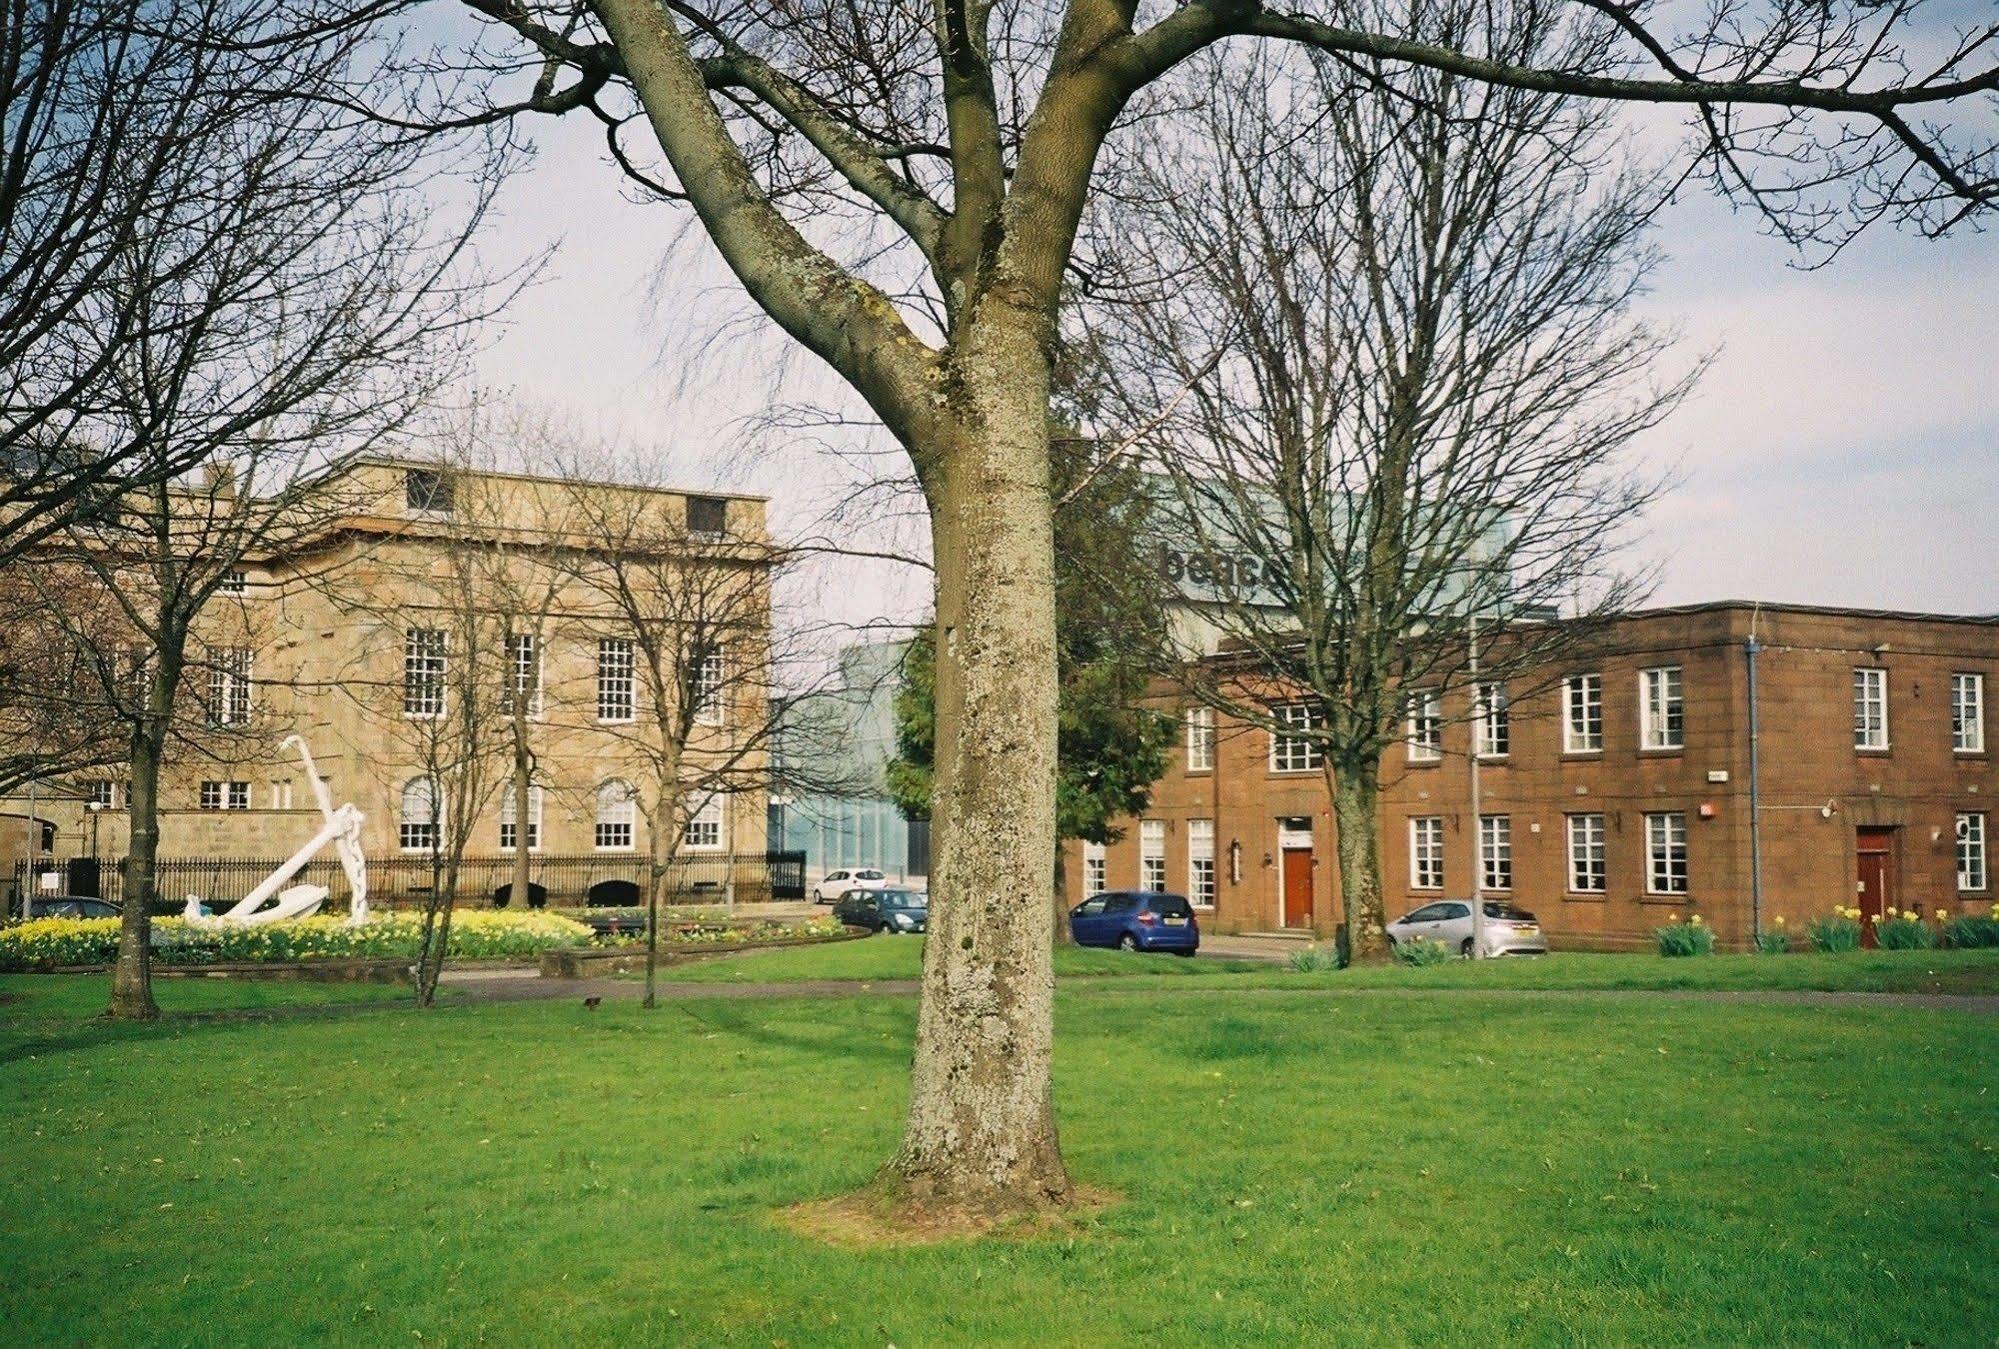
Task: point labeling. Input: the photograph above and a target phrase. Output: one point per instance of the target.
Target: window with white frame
(234, 582)
(1666, 853)
(614, 679)
(1493, 727)
(1296, 753)
(1152, 855)
(1201, 863)
(509, 818)
(424, 654)
(421, 812)
(229, 670)
(281, 793)
(1426, 726)
(616, 811)
(706, 682)
(225, 796)
(523, 677)
(1971, 875)
(1967, 713)
(1096, 870)
(1587, 857)
(1582, 714)
(1662, 709)
(1495, 852)
(1200, 739)
(103, 795)
(706, 827)
(1426, 852)
(1870, 708)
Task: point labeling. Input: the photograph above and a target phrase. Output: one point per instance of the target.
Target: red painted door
(1875, 886)
(1297, 887)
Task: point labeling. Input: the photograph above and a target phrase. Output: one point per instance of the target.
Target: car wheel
(1466, 949)
(1127, 942)
(1184, 955)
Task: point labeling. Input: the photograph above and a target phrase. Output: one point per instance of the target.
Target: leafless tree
(436, 676)
(1397, 341)
(678, 590)
(898, 186)
(319, 307)
(142, 148)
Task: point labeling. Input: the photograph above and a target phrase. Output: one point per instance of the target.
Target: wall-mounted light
(1235, 861)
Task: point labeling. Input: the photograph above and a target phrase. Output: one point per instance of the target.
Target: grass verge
(1292, 1170)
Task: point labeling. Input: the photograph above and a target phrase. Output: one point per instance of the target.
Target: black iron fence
(601, 880)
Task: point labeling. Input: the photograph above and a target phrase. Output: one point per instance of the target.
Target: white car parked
(838, 883)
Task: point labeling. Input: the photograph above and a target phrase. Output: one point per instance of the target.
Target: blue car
(1134, 920)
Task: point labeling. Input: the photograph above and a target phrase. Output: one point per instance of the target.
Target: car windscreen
(1500, 909)
(905, 899)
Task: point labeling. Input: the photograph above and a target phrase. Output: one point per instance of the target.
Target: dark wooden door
(1874, 890)
(1297, 887)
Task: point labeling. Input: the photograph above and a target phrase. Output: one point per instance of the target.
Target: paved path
(525, 986)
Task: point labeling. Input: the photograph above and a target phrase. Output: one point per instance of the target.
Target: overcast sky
(1843, 449)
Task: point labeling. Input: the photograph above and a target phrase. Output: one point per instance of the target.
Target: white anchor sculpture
(342, 829)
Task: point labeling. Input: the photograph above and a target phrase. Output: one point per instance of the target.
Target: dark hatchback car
(1133, 920)
(891, 910)
(72, 906)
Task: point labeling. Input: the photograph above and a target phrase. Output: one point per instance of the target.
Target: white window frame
(707, 684)
(1870, 707)
(1967, 712)
(1492, 727)
(1201, 863)
(231, 673)
(1296, 753)
(1152, 856)
(103, 793)
(615, 828)
(1667, 871)
(1589, 852)
(1426, 852)
(234, 582)
(1096, 869)
(1495, 852)
(708, 827)
(524, 667)
(508, 818)
(426, 666)
(1424, 734)
(281, 793)
(1662, 701)
(1200, 739)
(415, 835)
(617, 681)
(1973, 872)
(1582, 714)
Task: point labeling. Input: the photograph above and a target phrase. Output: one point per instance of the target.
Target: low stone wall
(588, 963)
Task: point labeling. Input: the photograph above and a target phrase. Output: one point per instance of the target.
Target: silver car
(1509, 931)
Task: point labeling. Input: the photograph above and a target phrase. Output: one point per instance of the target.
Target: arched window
(507, 818)
(615, 812)
(421, 813)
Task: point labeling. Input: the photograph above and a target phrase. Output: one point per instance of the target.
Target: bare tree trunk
(1356, 797)
(436, 933)
(980, 1139)
(655, 882)
(517, 890)
(132, 977)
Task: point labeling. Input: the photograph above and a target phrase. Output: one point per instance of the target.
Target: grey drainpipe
(1749, 650)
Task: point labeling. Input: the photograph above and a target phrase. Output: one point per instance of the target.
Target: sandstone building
(368, 633)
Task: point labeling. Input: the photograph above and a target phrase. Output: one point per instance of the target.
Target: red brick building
(1617, 789)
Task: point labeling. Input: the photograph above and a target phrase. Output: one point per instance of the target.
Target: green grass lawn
(889, 957)
(876, 958)
(1398, 1169)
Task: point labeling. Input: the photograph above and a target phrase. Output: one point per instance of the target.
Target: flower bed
(49, 943)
